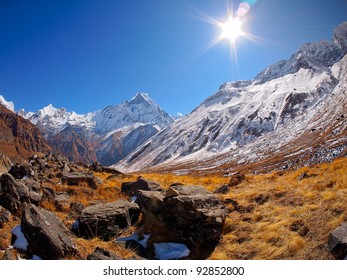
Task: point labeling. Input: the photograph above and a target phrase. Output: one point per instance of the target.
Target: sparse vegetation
(280, 215)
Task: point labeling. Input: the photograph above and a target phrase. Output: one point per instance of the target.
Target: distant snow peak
(8, 104)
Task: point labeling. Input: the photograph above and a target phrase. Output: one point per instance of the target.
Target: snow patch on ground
(21, 242)
(170, 251)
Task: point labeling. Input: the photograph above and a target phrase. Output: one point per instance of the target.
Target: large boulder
(12, 193)
(337, 242)
(130, 188)
(236, 179)
(76, 178)
(105, 220)
(46, 234)
(188, 215)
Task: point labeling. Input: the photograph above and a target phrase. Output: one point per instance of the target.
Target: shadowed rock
(338, 242)
(76, 178)
(105, 220)
(12, 193)
(46, 234)
(188, 215)
(130, 188)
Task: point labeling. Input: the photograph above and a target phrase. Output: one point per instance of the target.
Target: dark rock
(98, 167)
(337, 242)
(12, 193)
(102, 254)
(47, 236)
(4, 216)
(105, 220)
(261, 199)
(130, 188)
(188, 215)
(223, 189)
(299, 227)
(48, 194)
(20, 171)
(35, 191)
(76, 178)
(236, 179)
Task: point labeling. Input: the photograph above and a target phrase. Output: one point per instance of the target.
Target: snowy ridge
(8, 104)
(277, 107)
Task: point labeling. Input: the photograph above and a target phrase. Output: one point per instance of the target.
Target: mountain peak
(141, 98)
(8, 104)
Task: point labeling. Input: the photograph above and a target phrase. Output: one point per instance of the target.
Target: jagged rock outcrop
(46, 234)
(130, 188)
(106, 220)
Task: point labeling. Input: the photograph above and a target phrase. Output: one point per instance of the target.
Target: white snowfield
(246, 117)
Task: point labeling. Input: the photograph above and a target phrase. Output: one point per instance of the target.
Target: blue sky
(84, 55)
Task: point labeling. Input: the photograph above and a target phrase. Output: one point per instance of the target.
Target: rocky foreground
(51, 208)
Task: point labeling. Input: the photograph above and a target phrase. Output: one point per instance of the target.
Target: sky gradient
(84, 55)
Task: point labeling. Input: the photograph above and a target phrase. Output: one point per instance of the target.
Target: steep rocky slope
(19, 138)
(291, 106)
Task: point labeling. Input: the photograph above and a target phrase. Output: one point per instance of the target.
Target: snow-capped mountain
(106, 135)
(8, 104)
(282, 103)
(140, 109)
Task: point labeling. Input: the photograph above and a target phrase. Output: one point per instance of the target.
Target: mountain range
(292, 113)
(106, 135)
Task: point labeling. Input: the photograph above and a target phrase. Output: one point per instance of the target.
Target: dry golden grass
(277, 216)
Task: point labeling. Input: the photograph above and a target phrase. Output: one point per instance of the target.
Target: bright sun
(231, 29)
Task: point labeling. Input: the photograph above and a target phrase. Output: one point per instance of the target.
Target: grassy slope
(277, 216)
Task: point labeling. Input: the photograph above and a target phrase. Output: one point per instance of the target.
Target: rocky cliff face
(19, 138)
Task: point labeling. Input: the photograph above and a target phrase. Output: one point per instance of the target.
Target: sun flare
(231, 29)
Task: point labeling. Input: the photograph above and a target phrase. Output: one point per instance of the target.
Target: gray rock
(130, 188)
(46, 234)
(76, 178)
(337, 242)
(105, 220)
(12, 193)
(9, 255)
(188, 215)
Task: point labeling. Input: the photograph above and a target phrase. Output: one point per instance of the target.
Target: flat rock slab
(105, 220)
(46, 234)
(76, 178)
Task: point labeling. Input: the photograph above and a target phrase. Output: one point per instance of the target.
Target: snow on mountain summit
(140, 109)
(8, 104)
